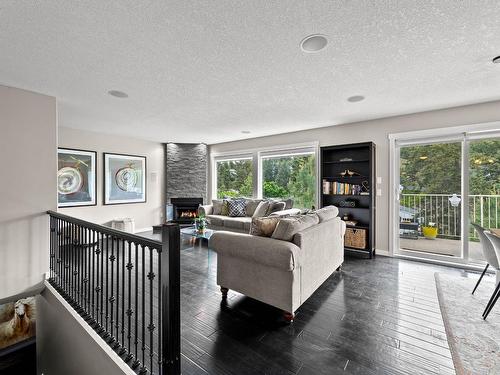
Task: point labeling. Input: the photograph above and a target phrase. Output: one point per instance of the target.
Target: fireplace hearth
(185, 209)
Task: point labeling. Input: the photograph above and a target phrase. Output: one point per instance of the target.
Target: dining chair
(495, 241)
(488, 252)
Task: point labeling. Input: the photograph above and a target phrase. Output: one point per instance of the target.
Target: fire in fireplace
(185, 209)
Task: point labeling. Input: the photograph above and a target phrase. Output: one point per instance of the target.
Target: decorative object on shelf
(345, 217)
(430, 231)
(365, 188)
(345, 159)
(124, 179)
(76, 178)
(351, 222)
(347, 203)
(349, 173)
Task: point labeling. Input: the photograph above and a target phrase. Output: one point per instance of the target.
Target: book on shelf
(342, 188)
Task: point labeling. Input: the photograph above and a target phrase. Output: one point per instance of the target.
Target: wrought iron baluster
(136, 362)
(143, 312)
(117, 326)
(106, 299)
(112, 296)
(151, 326)
(97, 284)
(102, 285)
(160, 307)
(130, 266)
(122, 330)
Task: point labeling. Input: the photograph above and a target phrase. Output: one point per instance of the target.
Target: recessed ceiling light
(118, 94)
(355, 98)
(245, 131)
(496, 60)
(313, 43)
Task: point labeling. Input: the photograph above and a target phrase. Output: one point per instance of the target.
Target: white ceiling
(203, 71)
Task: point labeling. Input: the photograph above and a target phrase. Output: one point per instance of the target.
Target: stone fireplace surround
(186, 171)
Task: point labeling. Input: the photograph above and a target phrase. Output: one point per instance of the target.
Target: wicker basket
(355, 238)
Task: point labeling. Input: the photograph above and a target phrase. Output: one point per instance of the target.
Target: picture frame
(76, 177)
(124, 179)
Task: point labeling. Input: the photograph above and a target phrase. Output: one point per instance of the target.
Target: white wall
(145, 214)
(28, 142)
(66, 344)
(376, 131)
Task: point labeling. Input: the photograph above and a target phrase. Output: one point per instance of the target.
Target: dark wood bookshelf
(363, 162)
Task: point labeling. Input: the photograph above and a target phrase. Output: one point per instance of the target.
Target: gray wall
(146, 214)
(64, 346)
(378, 132)
(28, 143)
(187, 170)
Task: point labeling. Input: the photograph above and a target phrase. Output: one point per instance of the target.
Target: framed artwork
(76, 178)
(17, 323)
(124, 179)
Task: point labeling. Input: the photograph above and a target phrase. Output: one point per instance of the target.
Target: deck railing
(125, 286)
(436, 208)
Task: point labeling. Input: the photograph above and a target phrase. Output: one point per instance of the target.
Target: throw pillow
(261, 209)
(225, 207)
(327, 213)
(217, 206)
(252, 205)
(288, 227)
(263, 226)
(236, 207)
(275, 206)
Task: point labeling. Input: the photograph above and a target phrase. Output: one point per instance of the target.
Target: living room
(327, 171)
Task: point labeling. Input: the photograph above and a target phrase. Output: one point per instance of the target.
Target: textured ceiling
(203, 71)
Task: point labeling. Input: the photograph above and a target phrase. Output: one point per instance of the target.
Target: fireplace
(184, 210)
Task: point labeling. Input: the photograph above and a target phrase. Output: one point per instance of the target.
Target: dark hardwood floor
(378, 316)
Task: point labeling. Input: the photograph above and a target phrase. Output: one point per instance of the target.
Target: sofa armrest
(290, 211)
(264, 250)
(205, 210)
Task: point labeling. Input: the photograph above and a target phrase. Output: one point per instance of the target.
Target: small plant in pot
(430, 231)
(200, 223)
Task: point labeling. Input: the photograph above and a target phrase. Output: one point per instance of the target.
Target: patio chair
(488, 252)
(495, 241)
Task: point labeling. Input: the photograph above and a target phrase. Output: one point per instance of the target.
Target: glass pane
(290, 177)
(234, 178)
(484, 190)
(430, 186)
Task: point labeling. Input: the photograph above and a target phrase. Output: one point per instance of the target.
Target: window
(290, 175)
(234, 177)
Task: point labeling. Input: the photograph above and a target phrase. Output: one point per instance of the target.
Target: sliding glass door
(432, 218)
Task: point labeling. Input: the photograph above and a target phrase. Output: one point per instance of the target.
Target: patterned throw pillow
(237, 207)
(263, 226)
(225, 207)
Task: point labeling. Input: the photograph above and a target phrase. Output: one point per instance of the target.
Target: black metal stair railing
(125, 286)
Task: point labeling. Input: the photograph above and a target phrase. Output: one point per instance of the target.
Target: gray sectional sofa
(281, 273)
(241, 224)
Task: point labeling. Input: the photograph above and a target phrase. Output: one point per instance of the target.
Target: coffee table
(193, 233)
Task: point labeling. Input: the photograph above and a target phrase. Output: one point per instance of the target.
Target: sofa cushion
(251, 206)
(236, 222)
(288, 203)
(261, 250)
(263, 226)
(288, 227)
(237, 207)
(217, 206)
(274, 207)
(261, 209)
(216, 220)
(327, 213)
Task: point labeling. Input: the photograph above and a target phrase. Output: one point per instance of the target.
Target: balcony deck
(441, 246)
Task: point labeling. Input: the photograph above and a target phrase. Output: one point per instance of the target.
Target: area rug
(474, 342)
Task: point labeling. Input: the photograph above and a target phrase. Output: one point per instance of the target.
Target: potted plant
(200, 223)
(430, 231)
